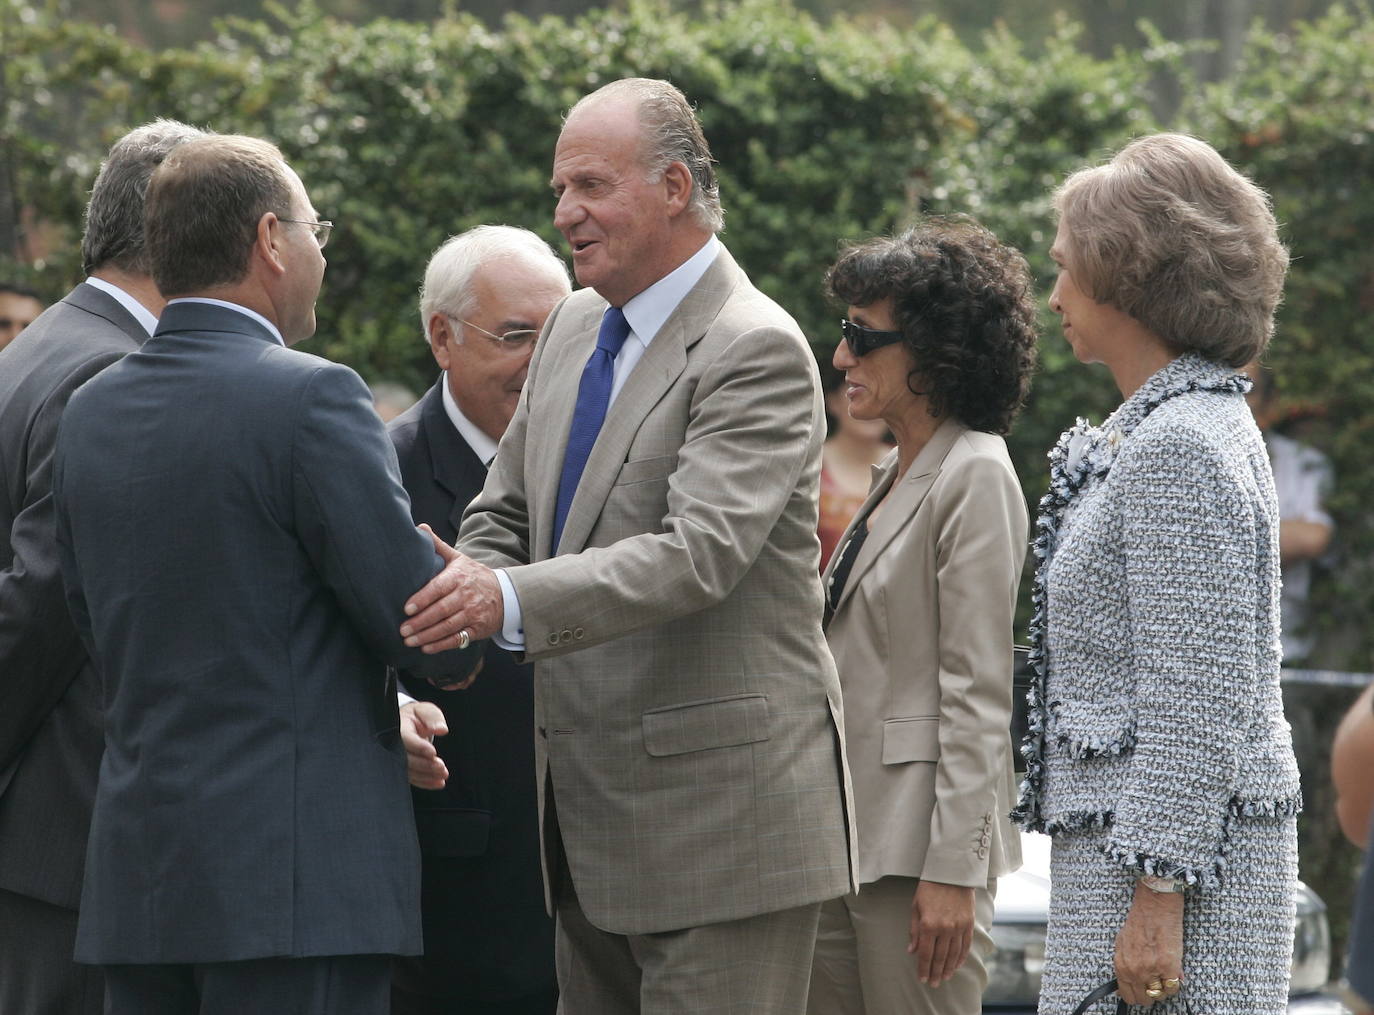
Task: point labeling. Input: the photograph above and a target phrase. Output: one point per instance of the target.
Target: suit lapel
(457, 469)
(905, 501)
(656, 372)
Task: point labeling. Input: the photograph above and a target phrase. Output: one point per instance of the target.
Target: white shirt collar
(233, 306)
(141, 314)
(482, 445)
(649, 310)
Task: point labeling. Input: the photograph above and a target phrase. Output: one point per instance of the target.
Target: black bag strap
(1098, 994)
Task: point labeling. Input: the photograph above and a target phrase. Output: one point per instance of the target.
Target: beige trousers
(755, 966)
(862, 967)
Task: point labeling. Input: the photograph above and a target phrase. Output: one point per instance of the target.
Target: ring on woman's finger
(463, 638)
(1172, 983)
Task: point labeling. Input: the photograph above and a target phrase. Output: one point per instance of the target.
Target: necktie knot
(614, 330)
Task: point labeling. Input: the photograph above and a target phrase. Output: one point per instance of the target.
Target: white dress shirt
(1302, 479)
(141, 314)
(482, 445)
(646, 313)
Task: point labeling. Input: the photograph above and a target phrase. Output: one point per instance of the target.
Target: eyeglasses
(863, 340)
(512, 341)
(320, 228)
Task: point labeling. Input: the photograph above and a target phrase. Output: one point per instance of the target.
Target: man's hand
(941, 930)
(461, 603)
(421, 722)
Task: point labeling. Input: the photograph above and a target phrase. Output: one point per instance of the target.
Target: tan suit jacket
(687, 708)
(922, 637)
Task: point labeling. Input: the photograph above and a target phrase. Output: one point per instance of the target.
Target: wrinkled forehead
(608, 127)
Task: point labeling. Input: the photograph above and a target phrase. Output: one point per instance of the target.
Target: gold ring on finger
(1172, 983)
(1155, 993)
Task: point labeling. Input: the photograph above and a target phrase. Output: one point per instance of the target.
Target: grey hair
(1171, 234)
(672, 133)
(114, 215)
(447, 288)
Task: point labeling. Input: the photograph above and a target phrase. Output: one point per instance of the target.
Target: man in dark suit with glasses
(488, 938)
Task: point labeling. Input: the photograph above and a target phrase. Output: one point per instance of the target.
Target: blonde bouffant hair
(1171, 234)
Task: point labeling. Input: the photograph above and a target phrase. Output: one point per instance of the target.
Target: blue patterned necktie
(593, 396)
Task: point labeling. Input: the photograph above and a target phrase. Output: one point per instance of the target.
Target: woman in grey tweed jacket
(1159, 759)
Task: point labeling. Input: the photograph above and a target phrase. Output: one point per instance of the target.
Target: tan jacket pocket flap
(703, 725)
(644, 470)
(913, 739)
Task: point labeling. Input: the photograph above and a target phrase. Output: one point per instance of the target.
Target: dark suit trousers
(37, 974)
(542, 1002)
(328, 985)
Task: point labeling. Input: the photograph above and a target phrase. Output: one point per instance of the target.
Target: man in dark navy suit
(488, 938)
(236, 553)
(50, 727)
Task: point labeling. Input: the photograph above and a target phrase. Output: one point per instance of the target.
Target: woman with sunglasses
(939, 344)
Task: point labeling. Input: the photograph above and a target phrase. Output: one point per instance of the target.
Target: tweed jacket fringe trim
(1083, 456)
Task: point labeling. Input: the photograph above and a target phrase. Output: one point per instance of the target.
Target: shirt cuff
(403, 699)
(511, 637)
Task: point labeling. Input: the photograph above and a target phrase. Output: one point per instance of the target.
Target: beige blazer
(687, 708)
(922, 637)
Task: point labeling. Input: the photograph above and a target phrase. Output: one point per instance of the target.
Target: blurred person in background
(488, 938)
(1302, 479)
(939, 348)
(851, 451)
(1159, 759)
(1352, 772)
(19, 307)
(50, 724)
(390, 399)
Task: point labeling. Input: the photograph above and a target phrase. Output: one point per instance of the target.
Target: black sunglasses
(863, 340)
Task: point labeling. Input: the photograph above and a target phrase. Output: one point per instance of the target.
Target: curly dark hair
(963, 302)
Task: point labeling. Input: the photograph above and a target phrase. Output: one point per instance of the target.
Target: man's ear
(441, 337)
(679, 184)
(267, 245)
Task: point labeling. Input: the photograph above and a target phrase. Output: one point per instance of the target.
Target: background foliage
(825, 131)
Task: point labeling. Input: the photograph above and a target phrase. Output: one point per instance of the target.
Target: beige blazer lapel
(910, 491)
(656, 372)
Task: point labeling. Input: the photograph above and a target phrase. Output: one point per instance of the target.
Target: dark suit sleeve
(353, 519)
(39, 651)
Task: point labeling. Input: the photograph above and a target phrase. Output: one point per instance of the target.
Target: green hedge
(825, 132)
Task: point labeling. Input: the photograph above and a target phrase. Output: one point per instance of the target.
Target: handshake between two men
(459, 605)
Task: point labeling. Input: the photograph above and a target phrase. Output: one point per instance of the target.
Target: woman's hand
(941, 930)
(1149, 947)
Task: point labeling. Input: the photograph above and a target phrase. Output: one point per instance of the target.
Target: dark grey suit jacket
(487, 934)
(237, 552)
(50, 731)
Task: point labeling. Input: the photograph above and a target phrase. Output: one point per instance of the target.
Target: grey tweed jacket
(1162, 715)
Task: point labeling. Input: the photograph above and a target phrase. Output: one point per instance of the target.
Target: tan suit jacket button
(553, 638)
(577, 633)
(566, 636)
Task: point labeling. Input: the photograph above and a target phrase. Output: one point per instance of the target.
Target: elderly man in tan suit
(660, 569)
